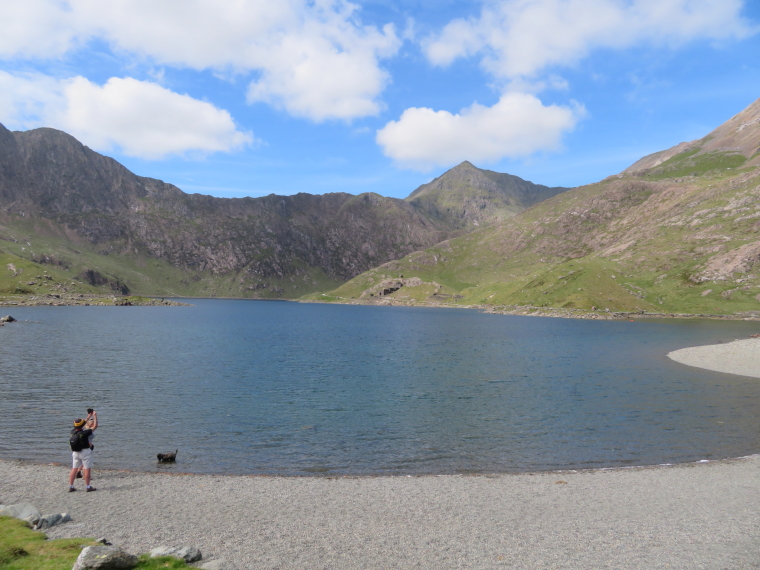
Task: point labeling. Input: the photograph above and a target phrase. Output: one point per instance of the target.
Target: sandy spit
(738, 357)
(695, 516)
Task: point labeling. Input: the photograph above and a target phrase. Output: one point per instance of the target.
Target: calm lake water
(298, 389)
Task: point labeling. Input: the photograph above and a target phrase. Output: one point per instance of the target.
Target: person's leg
(86, 468)
(76, 464)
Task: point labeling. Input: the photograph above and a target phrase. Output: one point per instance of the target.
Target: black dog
(167, 457)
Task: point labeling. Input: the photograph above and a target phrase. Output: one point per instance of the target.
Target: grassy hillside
(655, 241)
(57, 264)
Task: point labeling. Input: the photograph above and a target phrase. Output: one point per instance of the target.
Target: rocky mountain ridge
(86, 210)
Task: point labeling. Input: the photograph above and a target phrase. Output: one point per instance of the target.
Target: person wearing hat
(82, 458)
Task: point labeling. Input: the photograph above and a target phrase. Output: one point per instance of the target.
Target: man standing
(81, 452)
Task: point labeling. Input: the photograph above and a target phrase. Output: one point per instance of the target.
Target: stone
(7, 319)
(24, 511)
(46, 521)
(186, 553)
(163, 551)
(189, 554)
(218, 564)
(102, 557)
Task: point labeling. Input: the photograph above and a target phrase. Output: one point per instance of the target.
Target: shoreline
(550, 312)
(170, 472)
(741, 357)
(70, 300)
(86, 300)
(681, 516)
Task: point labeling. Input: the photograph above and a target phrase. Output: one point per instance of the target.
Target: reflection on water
(286, 388)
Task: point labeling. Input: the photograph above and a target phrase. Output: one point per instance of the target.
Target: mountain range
(678, 231)
(93, 224)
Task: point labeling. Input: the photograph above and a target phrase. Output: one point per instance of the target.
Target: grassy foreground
(22, 548)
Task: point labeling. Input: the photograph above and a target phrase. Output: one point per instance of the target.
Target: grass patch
(22, 548)
(690, 163)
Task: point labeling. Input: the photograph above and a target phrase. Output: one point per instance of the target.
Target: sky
(237, 98)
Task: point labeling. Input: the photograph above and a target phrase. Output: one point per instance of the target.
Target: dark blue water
(293, 389)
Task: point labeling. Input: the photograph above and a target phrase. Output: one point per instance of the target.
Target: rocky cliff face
(273, 246)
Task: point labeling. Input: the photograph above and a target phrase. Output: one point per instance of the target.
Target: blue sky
(247, 98)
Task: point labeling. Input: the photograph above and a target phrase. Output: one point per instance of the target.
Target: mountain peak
(467, 196)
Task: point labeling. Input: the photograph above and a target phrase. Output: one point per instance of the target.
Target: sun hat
(78, 422)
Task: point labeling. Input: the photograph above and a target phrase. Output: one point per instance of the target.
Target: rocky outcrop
(29, 513)
(102, 557)
(47, 521)
(93, 277)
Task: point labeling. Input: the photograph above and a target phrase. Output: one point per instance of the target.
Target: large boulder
(102, 557)
(186, 553)
(46, 521)
(24, 511)
(7, 319)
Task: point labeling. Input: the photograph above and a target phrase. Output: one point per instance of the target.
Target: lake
(262, 387)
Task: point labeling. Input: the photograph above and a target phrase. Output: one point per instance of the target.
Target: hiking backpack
(77, 442)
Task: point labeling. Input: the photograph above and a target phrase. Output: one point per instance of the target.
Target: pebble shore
(701, 515)
(740, 357)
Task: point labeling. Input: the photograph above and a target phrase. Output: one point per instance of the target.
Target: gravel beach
(738, 357)
(703, 515)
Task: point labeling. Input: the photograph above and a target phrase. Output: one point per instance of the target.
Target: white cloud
(524, 37)
(517, 125)
(140, 118)
(36, 28)
(28, 99)
(324, 78)
(312, 57)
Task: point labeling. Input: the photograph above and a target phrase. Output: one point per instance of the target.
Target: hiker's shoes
(71, 489)
(89, 489)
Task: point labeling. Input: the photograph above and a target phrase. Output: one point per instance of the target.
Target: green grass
(690, 163)
(22, 548)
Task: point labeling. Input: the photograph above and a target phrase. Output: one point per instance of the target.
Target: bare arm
(92, 421)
